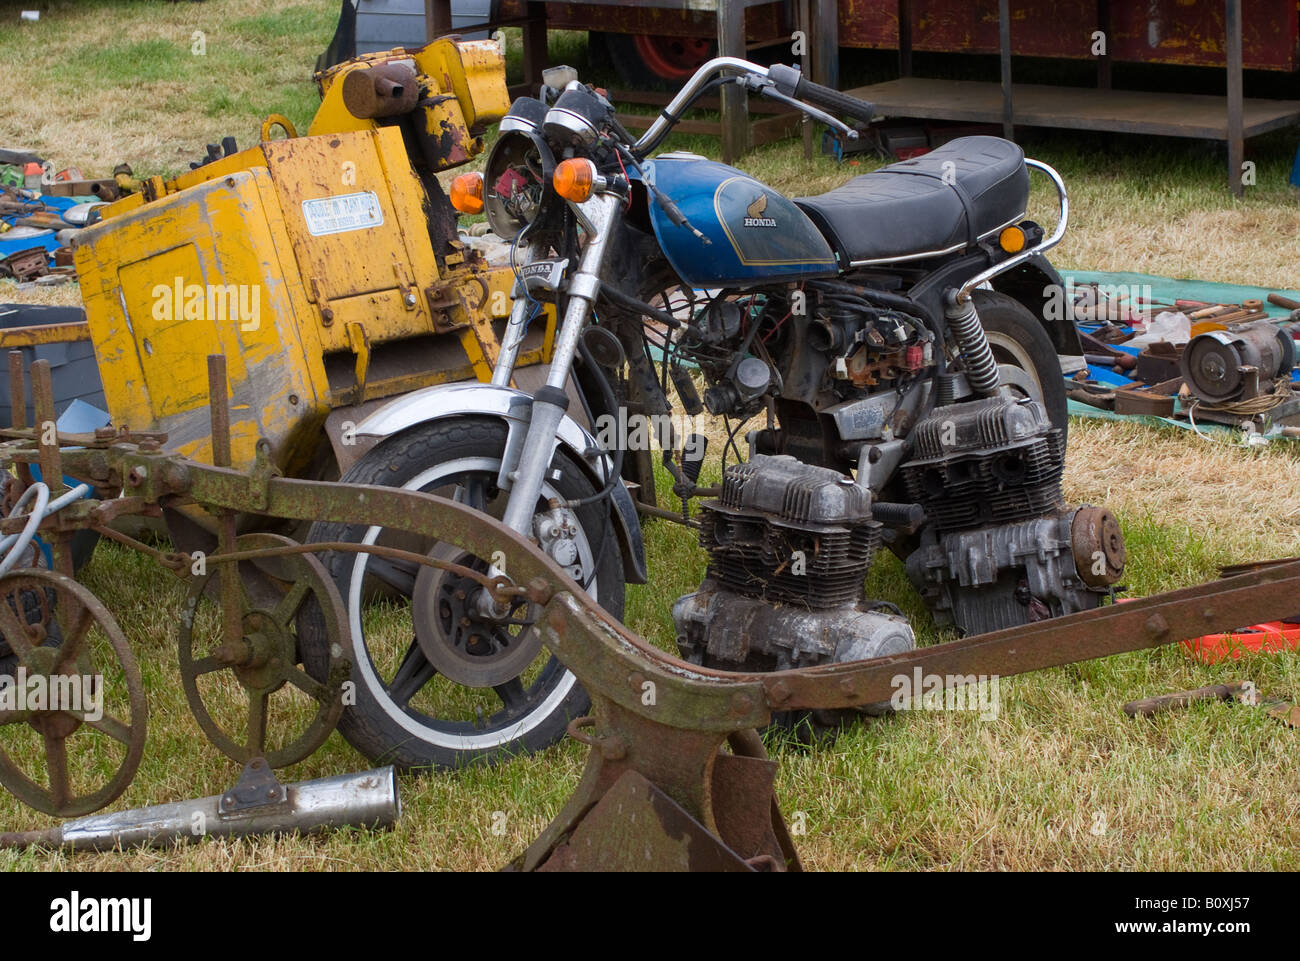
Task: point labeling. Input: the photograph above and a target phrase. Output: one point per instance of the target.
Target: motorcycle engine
(789, 548)
(1001, 548)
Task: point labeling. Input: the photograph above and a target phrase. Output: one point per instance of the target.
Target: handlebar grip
(834, 101)
(791, 82)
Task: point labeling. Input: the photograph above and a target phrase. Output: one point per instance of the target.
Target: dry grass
(1061, 780)
(107, 81)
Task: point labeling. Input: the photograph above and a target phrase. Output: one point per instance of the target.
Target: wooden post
(1004, 43)
(825, 26)
(437, 19)
(536, 56)
(735, 106)
(805, 23)
(1236, 141)
(904, 38)
(1104, 61)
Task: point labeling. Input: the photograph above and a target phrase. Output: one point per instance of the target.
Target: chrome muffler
(257, 805)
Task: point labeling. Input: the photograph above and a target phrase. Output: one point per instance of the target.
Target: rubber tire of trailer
(395, 462)
(634, 58)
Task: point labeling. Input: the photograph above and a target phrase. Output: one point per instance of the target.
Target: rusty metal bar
(1147, 622)
(40, 334)
(18, 405)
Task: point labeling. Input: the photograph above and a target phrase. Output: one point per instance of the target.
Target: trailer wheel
(646, 60)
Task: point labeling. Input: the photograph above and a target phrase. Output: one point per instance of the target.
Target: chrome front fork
(516, 327)
(599, 216)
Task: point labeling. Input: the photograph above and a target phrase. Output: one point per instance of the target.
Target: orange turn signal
(1012, 240)
(467, 193)
(574, 179)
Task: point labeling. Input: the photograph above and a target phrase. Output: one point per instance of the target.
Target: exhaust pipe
(257, 805)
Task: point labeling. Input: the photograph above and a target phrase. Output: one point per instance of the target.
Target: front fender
(515, 407)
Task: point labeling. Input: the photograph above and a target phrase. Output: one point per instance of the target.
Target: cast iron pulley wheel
(82, 698)
(1027, 361)
(444, 677)
(229, 678)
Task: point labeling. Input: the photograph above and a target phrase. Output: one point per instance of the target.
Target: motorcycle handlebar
(788, 80)
(791, 82)
(671, 113)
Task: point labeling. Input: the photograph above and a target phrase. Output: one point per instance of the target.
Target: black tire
(407, 734)
(33, 611)
(647, 62)
(1019, 339)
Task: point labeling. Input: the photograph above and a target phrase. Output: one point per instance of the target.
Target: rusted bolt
(1156, 626)
(105, 433)
(293, 400)
(174, 476)
(635, 680)
(779, 692)
(742, 704)
(327, 316)
(150, 446)
(612, 748)
(539, 590)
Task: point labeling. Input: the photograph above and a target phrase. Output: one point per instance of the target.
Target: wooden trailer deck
(1077, 108)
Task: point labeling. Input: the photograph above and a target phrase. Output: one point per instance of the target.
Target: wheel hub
(258, 658)
(472, 643)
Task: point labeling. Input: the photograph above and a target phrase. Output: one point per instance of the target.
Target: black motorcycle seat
(910, 210)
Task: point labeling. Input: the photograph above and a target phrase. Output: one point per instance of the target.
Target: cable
(1259, 404)
(519, 279)
(15, 545)
(731, 440)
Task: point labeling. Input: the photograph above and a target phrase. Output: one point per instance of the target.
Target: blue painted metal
(755, 234)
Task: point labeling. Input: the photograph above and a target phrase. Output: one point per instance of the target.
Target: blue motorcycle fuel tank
(755, 234)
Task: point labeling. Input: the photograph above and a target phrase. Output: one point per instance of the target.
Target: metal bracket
(257, 789)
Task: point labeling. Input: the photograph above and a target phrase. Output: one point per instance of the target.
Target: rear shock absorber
(964, 322)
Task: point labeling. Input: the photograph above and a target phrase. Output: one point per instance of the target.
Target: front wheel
(440, 679)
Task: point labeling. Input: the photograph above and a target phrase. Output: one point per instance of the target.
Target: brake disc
(465, 642)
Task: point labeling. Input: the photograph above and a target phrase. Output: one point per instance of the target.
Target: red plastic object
(1270, 638)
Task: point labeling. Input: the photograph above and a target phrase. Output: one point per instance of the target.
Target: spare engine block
(789, 548)
(1002, 549)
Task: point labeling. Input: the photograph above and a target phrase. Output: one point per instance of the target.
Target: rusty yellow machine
(326, 267)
